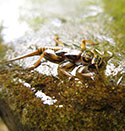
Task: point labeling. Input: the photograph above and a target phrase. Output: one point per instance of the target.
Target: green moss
(82, 108)
(116, 11)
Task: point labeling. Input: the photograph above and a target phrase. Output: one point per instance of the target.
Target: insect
(68, 58)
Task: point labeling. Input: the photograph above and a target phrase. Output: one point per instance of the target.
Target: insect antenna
(37, 52)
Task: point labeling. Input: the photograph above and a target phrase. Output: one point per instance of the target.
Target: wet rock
(32, 101)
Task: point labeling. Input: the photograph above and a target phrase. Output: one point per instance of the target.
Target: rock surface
(32, 101)
(44, 99)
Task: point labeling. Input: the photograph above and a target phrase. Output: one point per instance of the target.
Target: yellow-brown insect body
(67, 57)
(37, 52)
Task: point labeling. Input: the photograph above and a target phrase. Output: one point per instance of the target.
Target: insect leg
(84, 42)
(48, 55)
(37, 52)
(64, 66)
(38, 62)
(56, 39)
(82, 71)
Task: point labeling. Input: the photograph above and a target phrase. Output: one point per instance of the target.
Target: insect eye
(86, 59)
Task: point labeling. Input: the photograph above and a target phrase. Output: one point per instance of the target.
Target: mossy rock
(69, 105)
